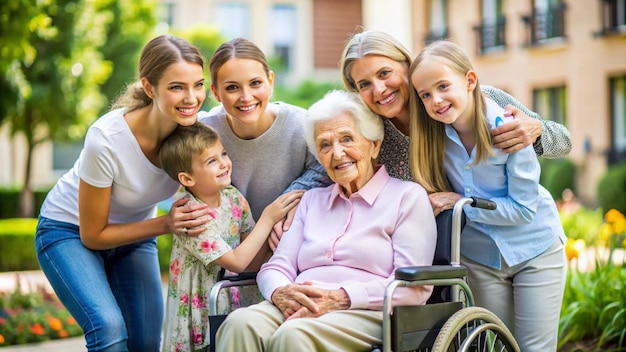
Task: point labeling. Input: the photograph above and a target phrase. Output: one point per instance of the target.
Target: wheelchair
(449, 321)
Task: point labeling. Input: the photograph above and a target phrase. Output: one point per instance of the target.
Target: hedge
(17, 246)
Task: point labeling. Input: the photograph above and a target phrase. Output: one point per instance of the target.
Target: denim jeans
(115, 295)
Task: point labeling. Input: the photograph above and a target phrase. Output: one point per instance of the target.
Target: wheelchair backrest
(443, 252)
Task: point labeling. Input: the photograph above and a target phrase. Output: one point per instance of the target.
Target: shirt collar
(369, 192)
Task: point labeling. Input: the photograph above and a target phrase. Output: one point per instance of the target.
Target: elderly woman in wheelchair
(325, 283)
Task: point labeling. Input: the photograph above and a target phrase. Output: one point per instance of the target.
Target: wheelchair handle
(457, 215)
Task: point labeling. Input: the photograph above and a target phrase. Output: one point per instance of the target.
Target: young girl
(264, 139)
(514, 255)
(194, 156)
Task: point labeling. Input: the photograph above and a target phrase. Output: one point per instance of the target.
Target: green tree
(131, 27)
(207, 39)
(57, 92)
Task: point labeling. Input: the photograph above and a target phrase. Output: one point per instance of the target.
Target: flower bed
(33, 316)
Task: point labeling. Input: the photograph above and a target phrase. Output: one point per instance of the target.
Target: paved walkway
(31, 280)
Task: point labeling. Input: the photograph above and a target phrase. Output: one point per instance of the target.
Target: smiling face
(383, 84)
(346, 155)
(244, 88)
(210, 172)
(445, 93)
(180, 92)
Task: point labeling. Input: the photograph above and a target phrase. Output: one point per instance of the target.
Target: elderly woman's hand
(291, 298)
(441, 201)
(330, 300)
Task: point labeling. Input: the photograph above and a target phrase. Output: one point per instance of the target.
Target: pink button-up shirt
(356, 243)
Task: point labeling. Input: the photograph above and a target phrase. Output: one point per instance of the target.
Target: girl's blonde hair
(427, 146)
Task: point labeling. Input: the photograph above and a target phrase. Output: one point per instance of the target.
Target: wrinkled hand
(281, 226)
(518, 133)
(291, 298)
(187, 216)
(331, 300)
(441, 201)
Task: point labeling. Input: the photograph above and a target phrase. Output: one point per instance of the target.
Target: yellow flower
(606, 230)
(1, 338)
(619, 226)
(573, 248)
(613, 215)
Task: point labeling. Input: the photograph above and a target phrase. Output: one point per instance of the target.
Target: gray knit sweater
(275, 162)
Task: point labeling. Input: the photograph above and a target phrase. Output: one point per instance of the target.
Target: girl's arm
(96, 232)
(550, 139)
(238, 259)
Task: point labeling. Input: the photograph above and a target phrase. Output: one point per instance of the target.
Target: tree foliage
(58, 62)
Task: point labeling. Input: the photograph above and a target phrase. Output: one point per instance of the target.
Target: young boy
(194, 156)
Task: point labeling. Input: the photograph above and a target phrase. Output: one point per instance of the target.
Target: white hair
(335, 103)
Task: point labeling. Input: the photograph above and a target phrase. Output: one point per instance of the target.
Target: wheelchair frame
(453, 324)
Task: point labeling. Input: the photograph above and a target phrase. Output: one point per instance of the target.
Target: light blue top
(526, 222)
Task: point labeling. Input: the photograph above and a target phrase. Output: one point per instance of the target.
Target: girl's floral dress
(192, 272)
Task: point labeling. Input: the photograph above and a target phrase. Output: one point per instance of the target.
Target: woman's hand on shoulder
(518, 133)
(187, 219)
(441, 201)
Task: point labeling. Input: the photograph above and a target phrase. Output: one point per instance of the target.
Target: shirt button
(468, 190)
(467, 167)
(328, 255)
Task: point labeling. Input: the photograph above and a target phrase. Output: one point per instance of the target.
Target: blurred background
(64, 61)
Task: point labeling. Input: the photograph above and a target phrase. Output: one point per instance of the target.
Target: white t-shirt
(111, 157)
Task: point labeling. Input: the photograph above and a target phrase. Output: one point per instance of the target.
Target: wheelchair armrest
(416, 273)
(226, 281)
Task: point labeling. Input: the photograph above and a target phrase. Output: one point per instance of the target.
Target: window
(547, 21)
(618, 113)
(491, 32)
(437, 20)
(550, 103)
(166, 13)
(283, 30)
(233, 20)
(613, 16)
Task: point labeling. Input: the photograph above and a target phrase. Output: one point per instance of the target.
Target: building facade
(564, 59)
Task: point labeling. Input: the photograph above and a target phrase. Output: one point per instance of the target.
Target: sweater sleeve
(555, 140)
(313, 176)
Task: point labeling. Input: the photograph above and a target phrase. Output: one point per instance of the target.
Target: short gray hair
(336, 102)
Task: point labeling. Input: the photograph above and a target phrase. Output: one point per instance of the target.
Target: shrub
(17, 240)
(305, 94)
(582, 224)
(9, 201)
(611, 190)
(558, 175)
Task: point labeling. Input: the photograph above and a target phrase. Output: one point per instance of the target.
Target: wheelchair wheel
(475, 329)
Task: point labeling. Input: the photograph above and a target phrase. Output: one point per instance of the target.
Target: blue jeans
(115, 295)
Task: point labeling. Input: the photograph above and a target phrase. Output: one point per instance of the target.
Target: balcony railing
(544, 25)
(613, 17)
(491, 36)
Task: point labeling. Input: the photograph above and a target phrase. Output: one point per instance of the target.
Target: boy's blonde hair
(428, 135)
(179, 148)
